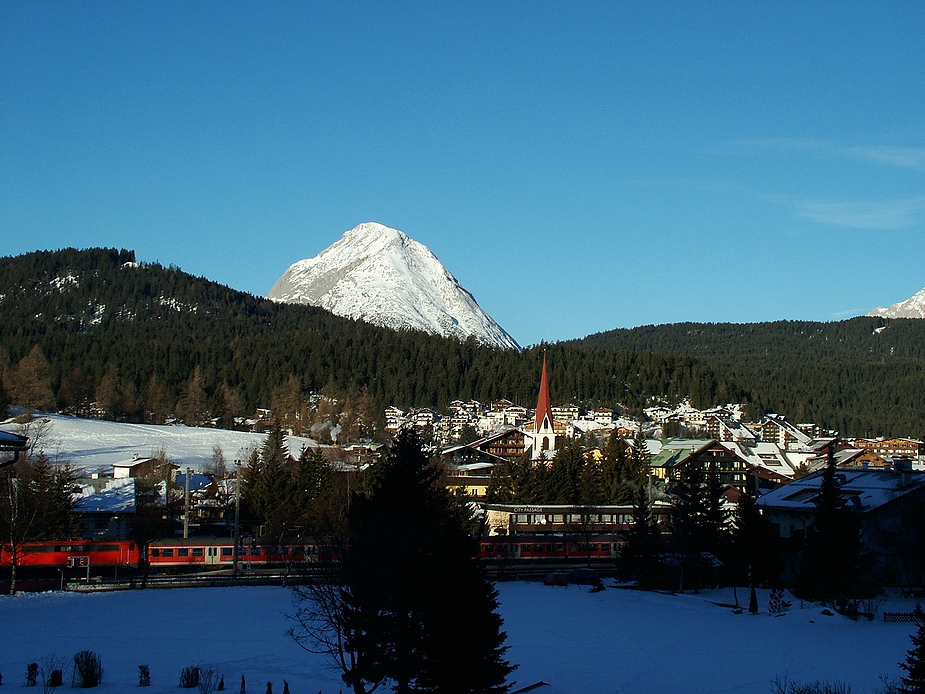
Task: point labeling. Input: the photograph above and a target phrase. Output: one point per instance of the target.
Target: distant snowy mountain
(379, 275)
(913, 307)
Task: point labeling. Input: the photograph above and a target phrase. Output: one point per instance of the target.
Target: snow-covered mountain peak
(380, 275)
(913, 307)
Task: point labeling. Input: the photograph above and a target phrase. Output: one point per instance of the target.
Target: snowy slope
(94, 443)
(616, 641)
(379, 275)
(913, 307)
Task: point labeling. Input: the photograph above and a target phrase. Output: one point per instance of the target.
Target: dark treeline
(864, 376)
(143, 341)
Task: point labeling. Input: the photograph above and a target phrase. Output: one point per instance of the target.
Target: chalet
(106, 507)
(891, 504)
(882, 449)
(776, 429)
(727, 428)
(677, 454)
(472, 479)
(504, 446)
(149, 468)
(566, 413)
(768, 465)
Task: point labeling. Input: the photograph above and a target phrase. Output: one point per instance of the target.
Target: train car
(76, 554)
(195, 554)
(529, 549)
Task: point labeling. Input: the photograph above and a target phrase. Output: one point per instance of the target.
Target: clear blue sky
(577, 166)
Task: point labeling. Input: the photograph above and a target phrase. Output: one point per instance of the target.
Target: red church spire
(543, 403)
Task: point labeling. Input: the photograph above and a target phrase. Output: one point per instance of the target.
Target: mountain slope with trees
(863, 376)
(94, 332)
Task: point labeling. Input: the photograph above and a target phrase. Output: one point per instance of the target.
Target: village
(778, 463)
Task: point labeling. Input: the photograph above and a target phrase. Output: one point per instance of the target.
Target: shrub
(785, 686)
(776, 603)
(189, 677)
(208, 680)
(88, 669)
(32, 674)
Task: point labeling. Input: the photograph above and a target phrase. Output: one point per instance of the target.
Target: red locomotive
(73, 554)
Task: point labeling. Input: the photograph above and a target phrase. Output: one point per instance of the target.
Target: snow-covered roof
(107, 495)
(768, 455)
(676, 451)
(871, 489)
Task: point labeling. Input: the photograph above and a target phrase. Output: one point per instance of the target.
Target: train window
(605, 546)
(155, 552)
(227, 551)
(197, 552)
(182, 551)
(560, 547)
(242, 551)
(168, 551)
(594, 547)
(255, 551)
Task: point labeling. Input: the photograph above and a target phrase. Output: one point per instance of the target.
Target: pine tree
(755, 555)
(914, 679)
(832, 564)
(420, 612)
(688, 525)
(640, 556)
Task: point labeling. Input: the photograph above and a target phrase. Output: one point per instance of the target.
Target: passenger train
(205, 554)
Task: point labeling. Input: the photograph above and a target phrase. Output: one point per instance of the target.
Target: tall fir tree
(640, 558)
(419, 611)
(832, 564)
(755, 557)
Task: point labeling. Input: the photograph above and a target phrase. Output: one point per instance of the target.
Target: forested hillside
(863, 376)
(143, 341)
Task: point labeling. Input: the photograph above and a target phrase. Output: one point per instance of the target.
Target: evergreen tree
(615, 470)
(715, 532)
(832, 563)
(754, 558)
(419, 611)
(640, 556)
(914, 679)
(688, 515)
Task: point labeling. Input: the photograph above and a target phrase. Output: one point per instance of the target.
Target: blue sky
(577, 166)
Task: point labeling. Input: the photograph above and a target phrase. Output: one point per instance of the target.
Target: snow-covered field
(615, 641)
(94, 443)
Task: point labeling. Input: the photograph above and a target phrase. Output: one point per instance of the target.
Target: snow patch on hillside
(94, 443)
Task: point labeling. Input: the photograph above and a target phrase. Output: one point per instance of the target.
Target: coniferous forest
(864, 376)
(143, 341)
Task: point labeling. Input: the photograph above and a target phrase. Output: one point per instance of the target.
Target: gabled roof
(678, 451)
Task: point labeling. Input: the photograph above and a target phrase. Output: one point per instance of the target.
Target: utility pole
(189, 472)
(237, 517)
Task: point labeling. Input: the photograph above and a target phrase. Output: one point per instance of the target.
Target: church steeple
(540, 439)
(543, 403)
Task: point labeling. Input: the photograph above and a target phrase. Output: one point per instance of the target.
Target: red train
(73, 554)
(535, 549)
(195, 554)
(213, 553)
